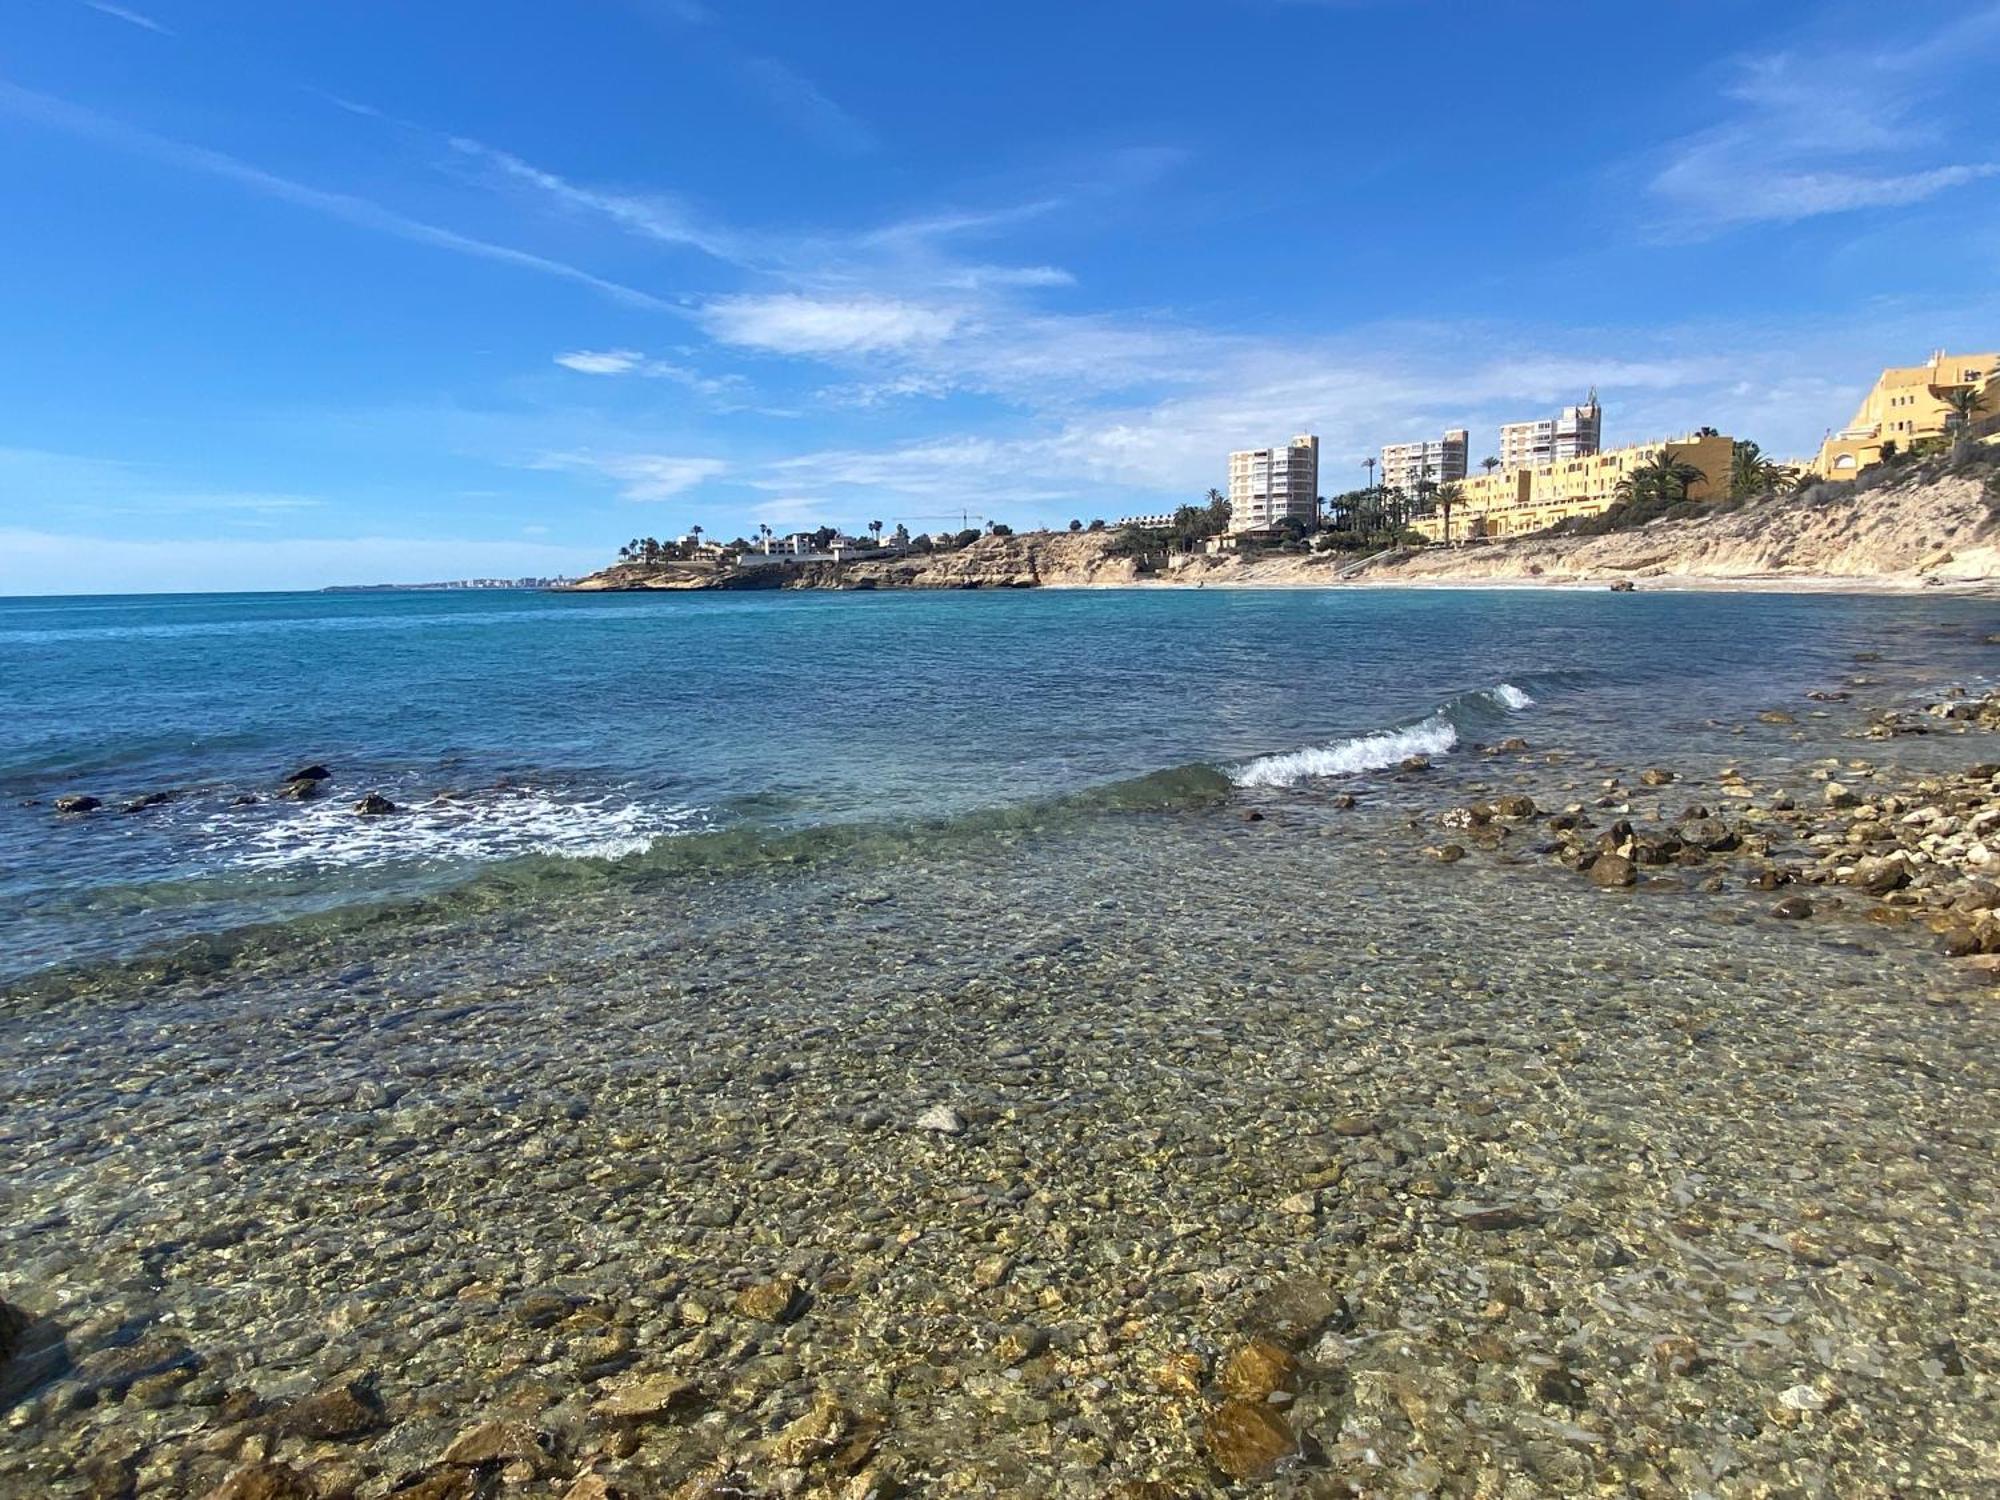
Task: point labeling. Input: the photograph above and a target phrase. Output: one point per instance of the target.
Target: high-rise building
(1573, 432)
(1405, 466)
(1267, 485)
(1515, 502)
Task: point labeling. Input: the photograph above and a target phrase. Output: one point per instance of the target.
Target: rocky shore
(1641, 1147)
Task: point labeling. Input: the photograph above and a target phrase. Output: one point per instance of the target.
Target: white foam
(486, 826)
(1367, 752)
(1510, 697)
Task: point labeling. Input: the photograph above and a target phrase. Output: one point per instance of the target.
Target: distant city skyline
(326, 296)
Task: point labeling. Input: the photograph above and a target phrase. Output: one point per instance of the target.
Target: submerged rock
(77, 802)
(374, 805)
(1612, 870)
(940, 1118)
(1247, 1439)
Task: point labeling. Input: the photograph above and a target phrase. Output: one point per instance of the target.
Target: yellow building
(1514, 502)
(1906, 406)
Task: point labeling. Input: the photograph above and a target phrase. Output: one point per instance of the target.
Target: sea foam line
(1435, 735)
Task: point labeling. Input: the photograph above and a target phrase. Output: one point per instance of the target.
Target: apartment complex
(1907, 405)
(1407, 465)
(1573, 432)
(1267, 485)
(1514, 502)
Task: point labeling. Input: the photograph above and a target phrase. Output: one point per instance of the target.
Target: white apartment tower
(1574, 432)
(1268, 484)
(1407, 465)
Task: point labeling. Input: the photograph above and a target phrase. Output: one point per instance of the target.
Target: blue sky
(297, 294)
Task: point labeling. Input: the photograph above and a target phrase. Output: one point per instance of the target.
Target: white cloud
(131, 17)
(788, 323)
(1831, 128)
(605, 362)
(640, 476)
(345, 207)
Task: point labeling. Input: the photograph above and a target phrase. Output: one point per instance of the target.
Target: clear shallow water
(515, 726)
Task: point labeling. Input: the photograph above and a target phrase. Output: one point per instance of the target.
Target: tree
(1751, 473)
(823, 538)
(1489, 463)
(1662, 481)
(875, 530)
(1000, 528)
(1448, 496)
(1889, 451)
(1076, 525)
(1965, 402)
(1097, 524)
(966, 537)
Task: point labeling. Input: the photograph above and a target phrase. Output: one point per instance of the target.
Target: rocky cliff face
(1028, 560)
(1940, 527)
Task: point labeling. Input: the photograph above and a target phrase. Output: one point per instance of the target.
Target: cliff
(1929, 526)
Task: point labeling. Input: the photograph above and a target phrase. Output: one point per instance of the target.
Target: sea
(511, 726)
(1058, 1044)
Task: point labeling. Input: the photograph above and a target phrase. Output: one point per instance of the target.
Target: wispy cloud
(801, 101)
(1830, 128)
(130, 17)
(76, 120)
(788, 323)
(724, 390)
(639, 476)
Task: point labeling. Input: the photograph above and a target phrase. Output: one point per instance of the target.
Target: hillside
(1928, 526)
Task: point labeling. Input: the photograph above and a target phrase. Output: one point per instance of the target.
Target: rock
(146, 800)
(1355, 1125)
(1512, 745)
(1343, 800)
(1612, 870)
(1019, 1345)
(1476, 816)
(1298, 1310)
(1776, 716)
(1498, 1216)
(265, 1481)
(374, 805)
(1676, 1354)
(13, 1325)
(1447, 854)
(1623, 586)
(1253, 816)
(1247, 1439)
(1656, 776)
(1515, 805)
(338, 1413)
(1837, 795)
(77, 802)
(1792, 909)
(781, 1301)
(646, 1399)
(299, 791)
(1257, 1369)
(310, 773)
(941, 1118)
(810, 1437)
(1415, 763)
(496, 1443)
(1708, 833)
(1180, 1373)
(1878, 877)
(244, 799)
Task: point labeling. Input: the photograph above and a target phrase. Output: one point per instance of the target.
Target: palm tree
(1369, 465)
(695, 532)
(1965, 402)
(1751, 473)
(1447, 497)
(1213, 497)
(1489, 463)
(1665, 478)
(875, 530)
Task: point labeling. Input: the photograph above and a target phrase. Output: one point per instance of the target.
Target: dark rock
(1775, 716)
(1612, 870)
(310, 773)
(265, 1481)
(1792, 909)
(243, 799)
(1656, 776)
(148, 799)
(299, 791)
(1512, 745)
(1253, 816)
(77, 802)
(374, 805)
(1447, 854)
(338, 1413)
(1343, 801)
(1498, 1216)
(1515, 805)
(1708, 833)
(1247, 1439)
(13, 1324)
(1415, 763)
(1623, 586)
(782, 1301)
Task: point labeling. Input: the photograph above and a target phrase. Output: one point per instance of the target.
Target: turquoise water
(546, 726)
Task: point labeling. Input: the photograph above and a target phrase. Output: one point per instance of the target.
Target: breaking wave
(1435, 734)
